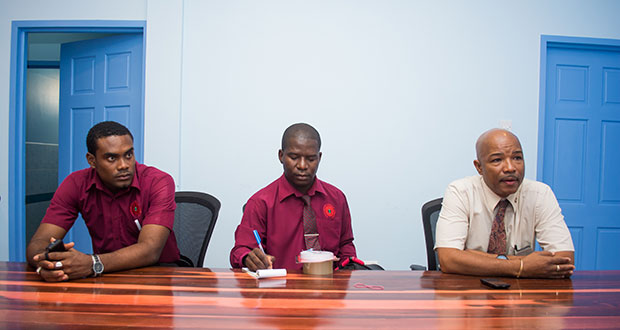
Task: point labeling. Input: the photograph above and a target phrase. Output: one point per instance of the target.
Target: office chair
(430, 214)
(194, 221)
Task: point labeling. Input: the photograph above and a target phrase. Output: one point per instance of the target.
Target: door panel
(100, 79)
(582, 148)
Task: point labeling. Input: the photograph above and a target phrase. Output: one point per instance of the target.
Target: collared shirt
(469, 207)
(276, 213)
(110, 217)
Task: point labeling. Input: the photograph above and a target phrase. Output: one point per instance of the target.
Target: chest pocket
(329, 230)
(523, 249)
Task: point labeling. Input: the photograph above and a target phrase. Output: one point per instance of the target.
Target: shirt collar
(286, 189)
(94, 182)
(491, 199)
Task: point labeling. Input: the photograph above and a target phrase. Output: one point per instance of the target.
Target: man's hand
(545, 264)
(256, 259)
(63, 266)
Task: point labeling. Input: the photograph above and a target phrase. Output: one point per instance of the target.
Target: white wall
(399, 91)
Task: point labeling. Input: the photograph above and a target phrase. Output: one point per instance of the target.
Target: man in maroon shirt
(277, 213)
(127, 207)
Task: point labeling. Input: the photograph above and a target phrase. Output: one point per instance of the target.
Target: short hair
(104, 129)
(301, 130)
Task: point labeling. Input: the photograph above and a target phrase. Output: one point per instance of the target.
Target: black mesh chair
(194, 221)
(430, 215)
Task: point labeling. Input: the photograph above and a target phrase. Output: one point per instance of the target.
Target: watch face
(503, 257)
(98, 268)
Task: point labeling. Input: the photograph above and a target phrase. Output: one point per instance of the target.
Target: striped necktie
(497, 240)
(311, 234)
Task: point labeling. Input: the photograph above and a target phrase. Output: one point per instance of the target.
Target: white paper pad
(266, 273)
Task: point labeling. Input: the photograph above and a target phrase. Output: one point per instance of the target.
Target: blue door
(100, 79)
(581, 159)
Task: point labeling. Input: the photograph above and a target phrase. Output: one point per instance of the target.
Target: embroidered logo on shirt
(329, 210)
(135, 209)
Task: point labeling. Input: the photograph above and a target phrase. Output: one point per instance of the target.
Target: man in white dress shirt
(489, 224)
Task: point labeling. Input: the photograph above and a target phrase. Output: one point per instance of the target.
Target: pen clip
(138, 224)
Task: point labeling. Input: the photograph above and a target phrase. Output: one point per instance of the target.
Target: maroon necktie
(497, 240)
(311, 234)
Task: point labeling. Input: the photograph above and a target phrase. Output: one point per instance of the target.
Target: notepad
(266, 273)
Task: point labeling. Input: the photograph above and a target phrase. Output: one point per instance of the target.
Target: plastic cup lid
(315, 256)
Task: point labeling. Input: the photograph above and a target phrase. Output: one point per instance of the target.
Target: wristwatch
(502, 256)
(97, 265)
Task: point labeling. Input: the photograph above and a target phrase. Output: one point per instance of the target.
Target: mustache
(512, 177)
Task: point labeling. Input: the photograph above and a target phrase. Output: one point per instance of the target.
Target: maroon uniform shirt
(276, 211)
(110, 217)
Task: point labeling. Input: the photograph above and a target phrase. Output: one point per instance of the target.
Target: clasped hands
(63, 266)
(545, 264)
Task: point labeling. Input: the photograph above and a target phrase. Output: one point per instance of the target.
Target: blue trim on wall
(547, 41)
(17, 113)
(17, 189)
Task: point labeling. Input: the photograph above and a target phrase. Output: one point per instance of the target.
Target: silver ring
(557, 268)
(39, 270)
(58, 264)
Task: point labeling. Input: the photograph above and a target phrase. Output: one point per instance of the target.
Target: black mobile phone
(494, 283)
(56, 246)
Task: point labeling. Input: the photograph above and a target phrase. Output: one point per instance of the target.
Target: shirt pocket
(524, 248)
(329, 231)
(131, 228)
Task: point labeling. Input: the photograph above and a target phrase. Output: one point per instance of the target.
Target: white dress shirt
(469, 207)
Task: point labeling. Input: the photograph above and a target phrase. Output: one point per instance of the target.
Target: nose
(302, 164)
(123, 164)
(509, 166)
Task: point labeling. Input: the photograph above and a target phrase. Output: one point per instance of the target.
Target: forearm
(41, 239)
(36, 246)
(476, 263)
(145, 252)
(133, 256)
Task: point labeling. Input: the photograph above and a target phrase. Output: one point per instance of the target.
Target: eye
(129, 155)
(111, 158)
(495, 160)
(518, 157)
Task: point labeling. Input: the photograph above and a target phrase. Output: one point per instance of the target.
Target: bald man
(295, 212)
(489, 224)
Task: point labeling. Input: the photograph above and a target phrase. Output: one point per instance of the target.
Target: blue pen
(258, 240)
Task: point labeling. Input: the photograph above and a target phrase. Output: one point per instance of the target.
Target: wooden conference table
(160, 297)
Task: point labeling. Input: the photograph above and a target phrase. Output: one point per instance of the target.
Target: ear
(90, 158)
(281, 156)
(478, 166)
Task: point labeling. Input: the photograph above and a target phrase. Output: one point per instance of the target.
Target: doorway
(34, 119)
(579, 135)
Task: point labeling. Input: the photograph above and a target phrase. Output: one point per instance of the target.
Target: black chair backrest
(430, 214)
(194, 221)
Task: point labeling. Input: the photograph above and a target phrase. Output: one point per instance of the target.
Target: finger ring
(39, 270)
(557, 268)
(58, 264)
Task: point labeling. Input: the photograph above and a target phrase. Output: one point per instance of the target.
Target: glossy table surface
(161, 297)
